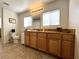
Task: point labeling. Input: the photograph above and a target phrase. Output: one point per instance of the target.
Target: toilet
(14, 36)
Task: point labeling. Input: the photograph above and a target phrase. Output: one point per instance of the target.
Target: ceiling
(20, 5)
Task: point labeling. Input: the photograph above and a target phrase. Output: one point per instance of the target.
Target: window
(27, 21)
(51, 18)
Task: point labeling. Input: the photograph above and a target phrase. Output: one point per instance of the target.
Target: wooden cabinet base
(41, 42)
(54, 47)
(67, 50)
(59, 44)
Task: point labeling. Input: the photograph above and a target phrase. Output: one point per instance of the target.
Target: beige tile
(17, 51)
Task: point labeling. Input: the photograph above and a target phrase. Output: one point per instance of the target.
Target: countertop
(42, 31)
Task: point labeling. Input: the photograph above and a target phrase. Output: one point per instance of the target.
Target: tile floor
(17, 51)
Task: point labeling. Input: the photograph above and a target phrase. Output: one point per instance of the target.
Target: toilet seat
(16, 37)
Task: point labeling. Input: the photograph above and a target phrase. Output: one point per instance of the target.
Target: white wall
(74, 23)
(21, 21)
(0, 16)
(0, 11)
(6, 25)
(63, 5)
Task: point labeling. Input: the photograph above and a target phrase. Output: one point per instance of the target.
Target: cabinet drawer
(56, 36)
(68, 37)
(41, 35)
(33, 34)
(26, 33)
(32, 37)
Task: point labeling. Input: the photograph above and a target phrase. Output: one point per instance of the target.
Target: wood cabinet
(41, 43)
(56, 43)
(27, 38)
(67, 50)
(67, 46)
(33, 39)
(54, 46)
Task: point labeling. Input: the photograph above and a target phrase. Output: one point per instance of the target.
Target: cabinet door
(27, 42)
(33, 40)
(67, 50)
(42, 41)
(54, 46)
(42, 44)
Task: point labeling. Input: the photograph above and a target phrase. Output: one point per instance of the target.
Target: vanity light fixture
(37, 10)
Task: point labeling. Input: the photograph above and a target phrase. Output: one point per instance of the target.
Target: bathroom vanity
(60, 44)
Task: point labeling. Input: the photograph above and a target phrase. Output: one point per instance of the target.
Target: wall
(0, 22)
(74, 23)
(6, 25)
(21, 21)
(63, 5)
(0, 17)
(0, 11)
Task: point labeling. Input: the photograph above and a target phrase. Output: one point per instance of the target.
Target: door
(33, 39)
(67, 50)
(42, 41)
(27, 39)
(54, 46)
